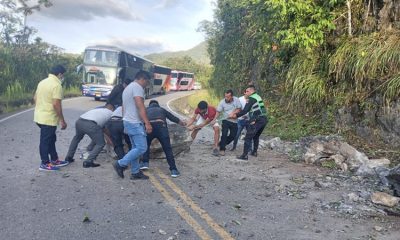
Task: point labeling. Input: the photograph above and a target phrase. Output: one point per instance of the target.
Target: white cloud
(89, 9)
(140, 46)
(167, 4)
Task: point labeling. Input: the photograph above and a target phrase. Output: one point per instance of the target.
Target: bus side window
(122, 60)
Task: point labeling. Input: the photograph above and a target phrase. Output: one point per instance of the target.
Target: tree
(13, 15)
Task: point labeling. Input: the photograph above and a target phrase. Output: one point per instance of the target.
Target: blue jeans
(242, 123)
(137, 135)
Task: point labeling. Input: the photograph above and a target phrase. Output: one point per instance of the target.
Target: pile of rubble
(371, 185)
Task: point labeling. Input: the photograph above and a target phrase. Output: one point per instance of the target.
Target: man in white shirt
(230, 104)
(242, 123)
(136, 125)
(90, 123)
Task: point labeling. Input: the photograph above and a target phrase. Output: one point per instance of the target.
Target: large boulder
(394, 179)
(180, 142)
(320, 149)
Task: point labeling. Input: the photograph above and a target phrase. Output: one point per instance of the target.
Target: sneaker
(59, 163)
(48, 167)
(253, 153)
(139, 176)
(215, 152)
(243, 157)
(233, 148)
(175, 173)
(118, 169)
(84, 155)
(222, 153)
(144, 165)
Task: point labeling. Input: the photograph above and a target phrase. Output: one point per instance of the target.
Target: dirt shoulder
(270, 197)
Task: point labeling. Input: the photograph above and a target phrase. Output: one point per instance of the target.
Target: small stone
(353, 197)
(242, 178)
(236, 222)
(82, 204)
(317, 184)
(378, 228)
(317, 231)
(384, 199)
(61, 210)
(162, 232)
(86, 219)
(16, 156)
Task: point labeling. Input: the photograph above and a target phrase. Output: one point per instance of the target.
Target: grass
(290, 126)
(16, 98)
(204, 95)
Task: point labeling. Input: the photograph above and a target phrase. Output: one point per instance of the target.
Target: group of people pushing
(125, 117)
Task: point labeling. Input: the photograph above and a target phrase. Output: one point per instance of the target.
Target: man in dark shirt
(115, 97)
(257, 121)
(158, 118)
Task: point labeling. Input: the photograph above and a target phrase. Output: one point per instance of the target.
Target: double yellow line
(182, 212)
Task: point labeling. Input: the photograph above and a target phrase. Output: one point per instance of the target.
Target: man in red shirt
(205, 115)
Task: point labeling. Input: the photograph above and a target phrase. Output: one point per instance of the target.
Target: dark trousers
(47, 146)
(116, 129)
(253, 134)
(229, 130)
(242, 123)
(95, 132)
(160, 132)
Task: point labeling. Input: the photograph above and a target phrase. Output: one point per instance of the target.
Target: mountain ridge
(198, 53)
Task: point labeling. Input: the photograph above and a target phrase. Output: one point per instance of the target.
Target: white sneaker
(84, 155)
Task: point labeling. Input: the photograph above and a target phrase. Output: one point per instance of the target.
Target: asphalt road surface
(214, 198)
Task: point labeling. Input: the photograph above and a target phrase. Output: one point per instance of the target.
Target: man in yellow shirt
(48, 113)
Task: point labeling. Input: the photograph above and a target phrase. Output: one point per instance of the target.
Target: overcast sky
(139, 26)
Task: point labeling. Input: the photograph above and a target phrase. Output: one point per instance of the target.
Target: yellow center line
(182, 212)
(202, 213)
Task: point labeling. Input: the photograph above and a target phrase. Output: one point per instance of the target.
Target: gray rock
(393, 178)
(180, 142)
(384, 199)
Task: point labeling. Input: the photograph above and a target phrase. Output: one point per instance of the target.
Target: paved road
(40, 205)
(214, 198)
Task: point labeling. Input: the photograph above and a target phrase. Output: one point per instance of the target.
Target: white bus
(105, 66)
(181, 81)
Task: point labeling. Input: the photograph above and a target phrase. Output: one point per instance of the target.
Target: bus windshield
(101, 57)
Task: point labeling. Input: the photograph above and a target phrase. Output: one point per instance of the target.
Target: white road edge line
(169, 107)
(30, 109)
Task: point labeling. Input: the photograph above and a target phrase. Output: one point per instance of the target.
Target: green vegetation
(308, 58)
(202, 95)
(24, 62)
